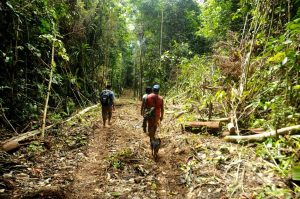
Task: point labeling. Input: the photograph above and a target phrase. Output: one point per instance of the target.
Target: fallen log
(26, 135)
(208, 124)
(13, 143)
(245, 132)
(260, 136)
(295, 136)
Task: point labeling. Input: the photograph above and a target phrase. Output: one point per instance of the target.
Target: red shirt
(154, 100)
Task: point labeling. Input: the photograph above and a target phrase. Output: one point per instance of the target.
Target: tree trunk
(48, 91)
(161, 33)
(134, 78)
(210, 108)
(141, 66)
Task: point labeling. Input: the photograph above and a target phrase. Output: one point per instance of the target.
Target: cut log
(257, 130)
(261, 136)
(26, 135)
(231, 128)
(10, 146)
(225, 133)
(209, 124)
(210, 109)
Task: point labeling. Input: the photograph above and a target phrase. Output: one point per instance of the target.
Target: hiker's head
(108, 86)
(148, 89)
(156, 88)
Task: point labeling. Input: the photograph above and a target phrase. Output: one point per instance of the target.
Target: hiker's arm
(162, 111)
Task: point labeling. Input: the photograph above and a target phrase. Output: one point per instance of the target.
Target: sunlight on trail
(119, 161)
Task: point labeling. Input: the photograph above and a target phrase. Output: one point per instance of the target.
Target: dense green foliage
(256, 61)
(165, 31)
(91, 49)
(252, 74)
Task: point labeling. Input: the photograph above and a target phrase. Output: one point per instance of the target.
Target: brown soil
(88, 161)
(139, 176)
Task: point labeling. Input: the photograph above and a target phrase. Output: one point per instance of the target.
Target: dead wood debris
(13, 143)
(261, 136)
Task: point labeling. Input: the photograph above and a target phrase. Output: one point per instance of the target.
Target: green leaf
(34, 50)
(7, 59)
(297, 87)
(45, 26)
(116, 194)
(153, 186)
(296, 173)
(277, 58)
(9, 5)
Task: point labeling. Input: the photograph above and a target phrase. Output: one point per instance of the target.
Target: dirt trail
(119, 162)
(88, 161)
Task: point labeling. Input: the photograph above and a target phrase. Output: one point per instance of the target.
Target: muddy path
(119, 163)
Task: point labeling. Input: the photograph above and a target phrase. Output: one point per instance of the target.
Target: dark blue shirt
(111, 96)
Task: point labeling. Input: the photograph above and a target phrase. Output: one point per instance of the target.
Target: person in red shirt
(155, 100)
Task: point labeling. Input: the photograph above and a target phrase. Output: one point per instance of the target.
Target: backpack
(105, 98)
(150, 112)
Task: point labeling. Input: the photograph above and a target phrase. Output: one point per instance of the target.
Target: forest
(229, 74)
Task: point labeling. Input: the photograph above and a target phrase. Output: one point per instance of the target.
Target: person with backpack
(107, 98)
(144, 109)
